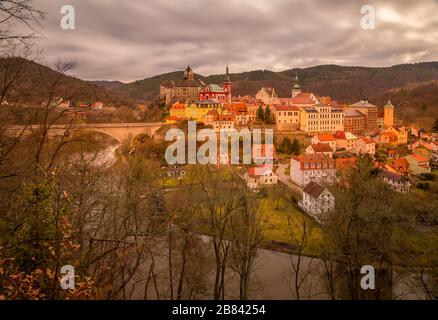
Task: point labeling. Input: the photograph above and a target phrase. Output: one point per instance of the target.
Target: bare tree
(246, 237)
(18, 19)
(301, 232)
(219, 202)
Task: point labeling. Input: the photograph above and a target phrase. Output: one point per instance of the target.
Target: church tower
(388, 115)
(296, 88)
(227, 86)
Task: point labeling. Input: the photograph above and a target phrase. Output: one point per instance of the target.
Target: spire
(296, 86)
(389, 104)
(227, 77)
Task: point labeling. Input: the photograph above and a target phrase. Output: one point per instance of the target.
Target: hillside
(344, 84)
(34, 83)
(413, 88)
(417, 103)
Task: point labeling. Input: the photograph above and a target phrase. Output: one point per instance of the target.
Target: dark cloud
(129, 40)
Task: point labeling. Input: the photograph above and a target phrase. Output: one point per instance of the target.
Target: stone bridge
(119, 131)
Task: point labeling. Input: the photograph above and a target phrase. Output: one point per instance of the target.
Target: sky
(136, 39)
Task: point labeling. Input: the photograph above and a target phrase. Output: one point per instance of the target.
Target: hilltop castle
(190, 89)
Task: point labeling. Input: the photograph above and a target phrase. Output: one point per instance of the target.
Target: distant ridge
(413, 88)
(343, 83)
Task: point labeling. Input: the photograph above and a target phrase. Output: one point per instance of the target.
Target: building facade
(354, 121)
(217, 93)
(317, 201)
(388, 115)
(370, 111)
(321, 118)
(267, 96)
(187, 89)
(287, 118)
(317, 168)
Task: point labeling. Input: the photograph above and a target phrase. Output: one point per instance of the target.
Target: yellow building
(401, 133)
(388, 115)
(321, 118)
(178, 110)
(198, 110)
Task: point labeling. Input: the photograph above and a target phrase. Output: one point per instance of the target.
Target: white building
(397, 182)
(317, 201)
(317, 168)
(241, 119)
(257, 177)
(225, 125)
(365, 145)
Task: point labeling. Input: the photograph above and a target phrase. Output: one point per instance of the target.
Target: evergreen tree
(260, 114)
(267, 114)
(295, 148)
(285, 145)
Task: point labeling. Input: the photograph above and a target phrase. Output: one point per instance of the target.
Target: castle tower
(188, 74)
(388, 114)
(296, 88)
(227, 85)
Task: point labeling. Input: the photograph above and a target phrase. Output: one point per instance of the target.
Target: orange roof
(428, 146)
(178, 105)
(286, 108)
(420, 158)
(302, 98)
(212, 112)
(259, 170)
(367, 140)
(340, 135)
(326, 137)
(312, 160)
(284, 101)
(321, 147)
(400, 163)
(391, 135)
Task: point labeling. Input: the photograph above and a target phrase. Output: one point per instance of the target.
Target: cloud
(130, 40)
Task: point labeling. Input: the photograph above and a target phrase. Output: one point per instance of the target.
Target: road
(283, 178)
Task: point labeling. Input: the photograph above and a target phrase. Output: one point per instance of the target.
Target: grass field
(279, 223)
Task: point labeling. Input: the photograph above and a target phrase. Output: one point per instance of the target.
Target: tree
(21, 14)
(361, 228)
(300, 232)
(295, 148)
(246, 237)
(260, 114)
(219, 200)
(285, 145)
(267, 116)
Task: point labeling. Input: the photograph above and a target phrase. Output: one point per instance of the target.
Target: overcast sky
(131, 40)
